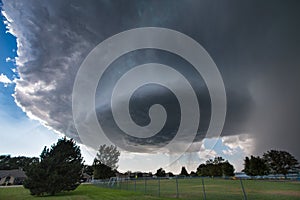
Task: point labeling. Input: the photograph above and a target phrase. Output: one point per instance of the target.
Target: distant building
(86, 177)
(12, 177)
(121, 176)
(241, 175)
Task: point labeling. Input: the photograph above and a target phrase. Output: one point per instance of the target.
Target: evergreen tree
(184, 172)
(59, 169)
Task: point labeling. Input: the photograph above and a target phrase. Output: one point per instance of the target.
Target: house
(12, 177)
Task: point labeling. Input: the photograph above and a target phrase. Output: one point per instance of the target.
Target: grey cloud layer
(255, 45)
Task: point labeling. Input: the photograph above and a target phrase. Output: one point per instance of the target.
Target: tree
(88, 169)
(255, 166)
(59, 169)
(202, 170)
(227, 168)
(193, 174)
(184, 172)
(216, 167)
(280, 162)
(21, 162)
(160, 172)
(105, 163)
(169, 174)
(247, 166)
(108, 155)
(102, 171)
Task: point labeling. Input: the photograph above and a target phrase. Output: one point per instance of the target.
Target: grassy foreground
(189, 189)
(83, 192)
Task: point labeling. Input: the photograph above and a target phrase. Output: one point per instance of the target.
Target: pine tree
(184, 172)
(59, 169)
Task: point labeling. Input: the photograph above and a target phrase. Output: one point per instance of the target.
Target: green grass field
(83, 192)
(189, 189)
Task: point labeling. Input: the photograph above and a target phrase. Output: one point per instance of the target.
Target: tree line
(272, 162)
(61, 167)
(21, 162)
(212, 168)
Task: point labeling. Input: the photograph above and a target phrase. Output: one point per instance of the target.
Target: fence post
(127, 183)
(203, 188)
(145, 185)
(158, 187)
(135, 184)
(245, 196)
(177, 193)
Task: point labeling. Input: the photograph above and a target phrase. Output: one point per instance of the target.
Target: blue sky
(21, 135)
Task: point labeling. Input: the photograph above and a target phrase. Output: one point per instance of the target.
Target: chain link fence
(192, 188)
(180, 187)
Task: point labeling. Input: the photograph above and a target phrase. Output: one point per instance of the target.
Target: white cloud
(5, 80)
(205, 154)
(9, 59)
(229, 151)
(235, 142)
(237, 147)
(49, 54)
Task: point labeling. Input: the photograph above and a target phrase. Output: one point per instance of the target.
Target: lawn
(83, 192)
(189, 189)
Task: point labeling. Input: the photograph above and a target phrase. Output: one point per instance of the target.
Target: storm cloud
(255, 45)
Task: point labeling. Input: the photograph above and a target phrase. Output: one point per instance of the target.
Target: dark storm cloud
(255, 45)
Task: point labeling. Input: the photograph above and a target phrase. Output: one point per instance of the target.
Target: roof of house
(17, 173)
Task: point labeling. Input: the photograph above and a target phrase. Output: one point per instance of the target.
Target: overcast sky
(254, 44)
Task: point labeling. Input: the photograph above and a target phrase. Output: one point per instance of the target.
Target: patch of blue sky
(8, 46)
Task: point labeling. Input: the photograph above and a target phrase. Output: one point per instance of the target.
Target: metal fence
(179, 187)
